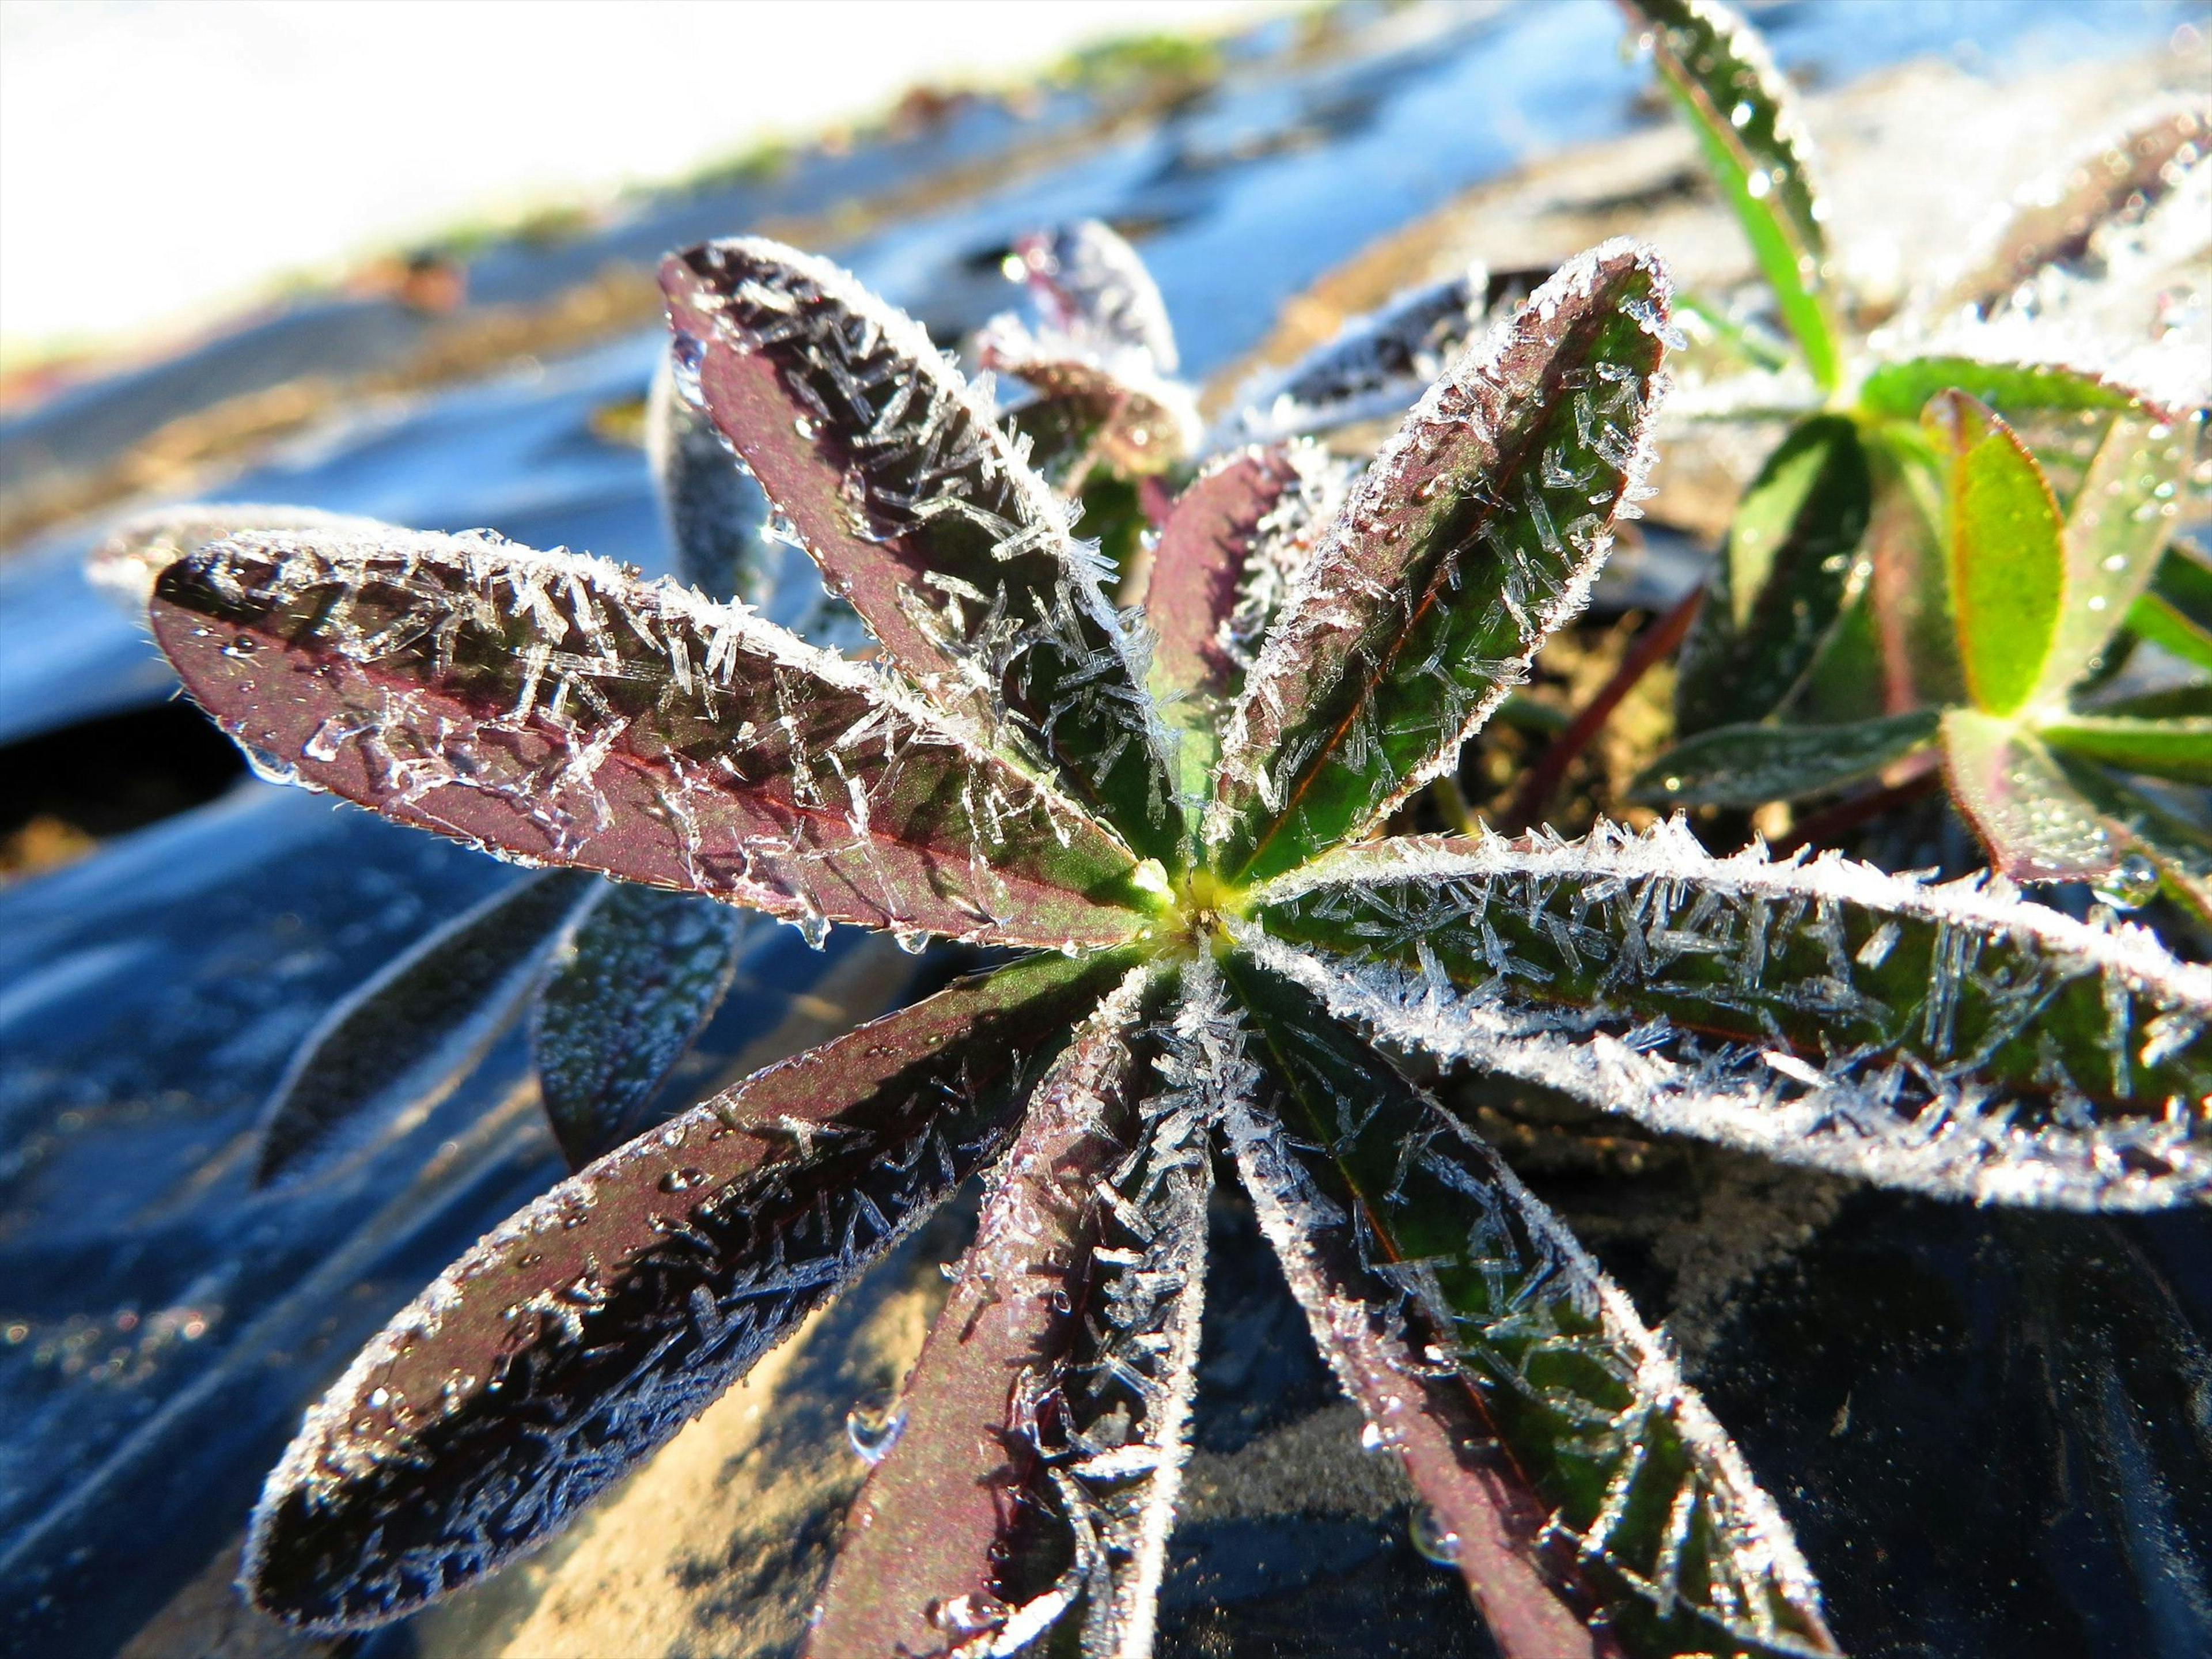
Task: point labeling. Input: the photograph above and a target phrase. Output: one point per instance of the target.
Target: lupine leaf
(637, 977)
(2190, 702)
(1900, 391)
(1115, 1442)
(2035, 825)
(599, 1319)
(2115, 525)
(1790, 563)
(1232, 523)
(1475, 533)
(2176, 614)
(719, 525)
(1086, 410)
(923, 1562)
(2179, 747)
(1374, 366)
(2007, 564)
(899, 479)
(1550, 1433)
(125, 562)
(1750, 765)
(1093, 288)
(557, 707)
(1909, 593)
(2178, 844)
(1718, 71)
(1948, 1039)
(2057, 217)
(420, 1023)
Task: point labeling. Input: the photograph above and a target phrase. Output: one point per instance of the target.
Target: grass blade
(594, 1323)
(557, 707)
(1750, 765)
(1823, 1013)
(1716, 69)
(1476, 532)
(896, 477)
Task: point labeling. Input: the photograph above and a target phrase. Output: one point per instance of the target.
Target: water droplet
(910, 940)
(1739, 117)
(2132, 882)
(681, 1181)
(813, 927)
(1371, 1437)
(1758, 185)
(1435, 1540)
(806, 426)
(872, 1427)
(969, 1615)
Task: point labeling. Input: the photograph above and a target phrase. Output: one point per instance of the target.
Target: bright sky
(159, 157)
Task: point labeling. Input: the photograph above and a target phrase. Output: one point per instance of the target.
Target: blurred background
(397, 260)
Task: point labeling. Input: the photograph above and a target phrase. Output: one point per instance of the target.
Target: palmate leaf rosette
(1213, 982)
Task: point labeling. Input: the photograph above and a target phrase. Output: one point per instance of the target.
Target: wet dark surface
(2026, 1465)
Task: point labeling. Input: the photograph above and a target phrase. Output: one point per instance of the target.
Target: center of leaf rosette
(1192, 906)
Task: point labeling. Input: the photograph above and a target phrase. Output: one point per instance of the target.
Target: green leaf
(1475, 533)
(1900, 391)
(2157, 618)
(941, 1515)
(2174, 836)
(2189, 701)
(2008, 567)
(558, 707)
(1790, 566)
(2179, 747)
(2035, 825)
(418, 1025)
(2119, 522)
(602, 1317)
(1721, 78)
(897, 478)
(1559, 1411)
(1823, 1013)
(1750, 765)
(639, 975)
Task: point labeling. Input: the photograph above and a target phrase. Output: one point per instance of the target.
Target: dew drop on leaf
(1371, 1437)
(1435, 1540)
(2132, 884)
(872, 1427)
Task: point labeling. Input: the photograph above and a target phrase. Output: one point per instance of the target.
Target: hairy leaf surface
(922, 1563)
(2007, 566)
(2174, 835)
(1909, 594)
(638, 976)
(1550, 1432)
(125, 563)
(419, 1023)
(1750, 765)
(1949, 1039)
(1718, 72)
(557, 708)
(1789, 564)
(2035, 824)
(599, 1319)
(1476, 532)
(897, 478)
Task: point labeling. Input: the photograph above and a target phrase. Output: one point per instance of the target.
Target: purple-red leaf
(924, 1551)
(127, 561)
(1199, 568)
(557, 707)
(1094, 290)
(1477, 532)
(899, 481)
(594, 1323)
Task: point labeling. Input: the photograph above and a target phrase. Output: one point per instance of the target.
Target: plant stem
(1823, 827)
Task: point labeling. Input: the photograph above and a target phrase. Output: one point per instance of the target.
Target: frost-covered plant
(1172, 812)
(1963, 535)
